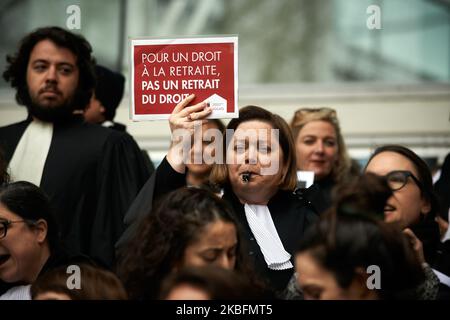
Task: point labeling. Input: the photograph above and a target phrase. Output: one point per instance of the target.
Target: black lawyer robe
(319, 194)
(91, 174)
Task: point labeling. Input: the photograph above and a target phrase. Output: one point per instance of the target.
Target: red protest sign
(165, 71)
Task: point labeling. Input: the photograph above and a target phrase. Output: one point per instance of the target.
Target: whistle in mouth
(246, 177)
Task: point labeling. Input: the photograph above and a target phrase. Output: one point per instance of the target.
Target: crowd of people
(85, 215)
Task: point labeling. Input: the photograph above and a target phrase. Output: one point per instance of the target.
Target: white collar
(260, 221)
(29, 158)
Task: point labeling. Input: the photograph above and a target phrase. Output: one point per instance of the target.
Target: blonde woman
(320, 148)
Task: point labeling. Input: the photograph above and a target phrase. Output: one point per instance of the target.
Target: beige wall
(417, 116)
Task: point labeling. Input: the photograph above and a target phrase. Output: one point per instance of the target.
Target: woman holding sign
(257, 180)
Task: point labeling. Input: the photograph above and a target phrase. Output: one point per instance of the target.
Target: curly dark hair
(164, 235)
(16, 71)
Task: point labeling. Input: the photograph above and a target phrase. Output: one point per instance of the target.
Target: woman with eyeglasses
(320, 148)
(29, 242)
(413, 204)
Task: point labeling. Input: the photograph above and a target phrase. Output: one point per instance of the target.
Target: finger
(198, 107)
(183, 103)
(203, 114)
(410, 234)
(199, 115)
(415, 242)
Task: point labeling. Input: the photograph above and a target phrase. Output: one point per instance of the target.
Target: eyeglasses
(329, 111)
(399, 178)
(4, 225)
(304, 115)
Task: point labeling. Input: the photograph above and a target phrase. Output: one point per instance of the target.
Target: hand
(416, 244)
(184, 118)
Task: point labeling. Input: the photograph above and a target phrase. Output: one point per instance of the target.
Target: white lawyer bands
(193, 310)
